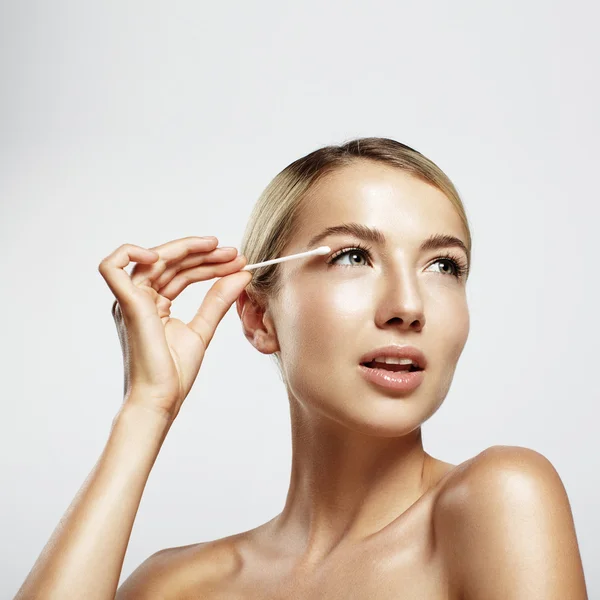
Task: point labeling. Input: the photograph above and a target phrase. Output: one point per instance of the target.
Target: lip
(397, 351)
(399, 381)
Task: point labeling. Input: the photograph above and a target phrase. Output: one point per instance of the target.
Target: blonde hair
(274, 216)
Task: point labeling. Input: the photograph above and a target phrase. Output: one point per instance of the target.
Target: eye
(458, 267)
(352, 253)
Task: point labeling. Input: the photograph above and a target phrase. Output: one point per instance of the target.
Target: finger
(216, 303)
(173, 288)
(218, 255)
(112, 269)
(169, 252)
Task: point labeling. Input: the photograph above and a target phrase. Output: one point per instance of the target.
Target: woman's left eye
(458, 268)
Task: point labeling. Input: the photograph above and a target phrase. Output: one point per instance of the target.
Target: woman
(369, 514)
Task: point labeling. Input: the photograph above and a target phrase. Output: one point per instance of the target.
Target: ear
(257, 324)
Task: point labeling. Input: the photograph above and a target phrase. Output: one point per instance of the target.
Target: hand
(162, 355)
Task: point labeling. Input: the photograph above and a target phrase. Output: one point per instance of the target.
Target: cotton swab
(316, 252)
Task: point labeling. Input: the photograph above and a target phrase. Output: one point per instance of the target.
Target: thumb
(217, 302)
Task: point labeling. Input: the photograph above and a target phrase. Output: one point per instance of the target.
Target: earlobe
(264, 342)
(258, 341)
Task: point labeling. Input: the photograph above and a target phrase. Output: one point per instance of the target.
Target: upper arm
(507, 531)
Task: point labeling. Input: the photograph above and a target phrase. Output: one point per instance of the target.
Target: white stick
(317, 251)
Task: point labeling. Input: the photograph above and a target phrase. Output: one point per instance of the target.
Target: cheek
(320, 319)
(451, 323)
(316, 332)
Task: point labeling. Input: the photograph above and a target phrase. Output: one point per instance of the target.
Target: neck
(346, 485)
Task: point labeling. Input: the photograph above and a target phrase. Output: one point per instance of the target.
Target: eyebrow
(376, 236)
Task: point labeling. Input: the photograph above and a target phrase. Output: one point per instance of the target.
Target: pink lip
(397, 351)
(401, 381)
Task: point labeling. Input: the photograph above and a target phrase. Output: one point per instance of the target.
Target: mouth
(392, 377)
(394, 358)
(390, 367)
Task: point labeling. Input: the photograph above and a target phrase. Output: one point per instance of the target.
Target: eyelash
(459, 264)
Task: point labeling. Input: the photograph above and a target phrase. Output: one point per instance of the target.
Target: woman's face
(334, 309)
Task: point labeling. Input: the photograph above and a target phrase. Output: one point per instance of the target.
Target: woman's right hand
(162, 355)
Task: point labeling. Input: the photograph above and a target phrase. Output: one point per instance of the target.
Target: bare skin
(369, 513)
(399, 561)
(448, 545)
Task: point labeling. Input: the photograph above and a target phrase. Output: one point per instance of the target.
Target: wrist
(135, 414)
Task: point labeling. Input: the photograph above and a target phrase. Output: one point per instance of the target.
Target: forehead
(404, 207)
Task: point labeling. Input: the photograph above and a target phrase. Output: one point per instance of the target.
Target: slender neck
(346, 484)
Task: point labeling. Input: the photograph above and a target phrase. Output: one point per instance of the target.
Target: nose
(401, 303)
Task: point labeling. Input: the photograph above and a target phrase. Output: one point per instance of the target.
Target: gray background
(143, 122)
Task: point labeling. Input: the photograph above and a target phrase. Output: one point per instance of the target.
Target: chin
(372, 414)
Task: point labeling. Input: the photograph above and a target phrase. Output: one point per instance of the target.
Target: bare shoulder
(505, 527)
(179, 571)
(498, 474)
